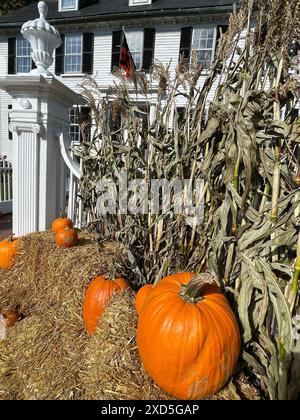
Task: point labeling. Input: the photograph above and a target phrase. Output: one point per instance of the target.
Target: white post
(39, 112)
(39, 119)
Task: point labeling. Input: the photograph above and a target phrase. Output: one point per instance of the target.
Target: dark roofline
(141, 14)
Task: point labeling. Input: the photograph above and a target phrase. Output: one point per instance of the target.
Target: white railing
(5, 186)
(74, 203)
(74, 209)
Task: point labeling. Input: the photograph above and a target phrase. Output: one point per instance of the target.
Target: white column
(25, 178)
(39, 115)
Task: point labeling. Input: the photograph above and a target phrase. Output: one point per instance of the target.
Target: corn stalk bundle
(244, 144)
(156, 243)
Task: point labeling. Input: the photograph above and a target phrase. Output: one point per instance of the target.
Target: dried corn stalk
(245, 146)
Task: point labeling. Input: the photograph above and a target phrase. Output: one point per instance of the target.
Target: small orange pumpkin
(11, 318)
(66, 238)
(8, 252)
(141, 297)
(188, 337)
(61, 223)
(98, 295)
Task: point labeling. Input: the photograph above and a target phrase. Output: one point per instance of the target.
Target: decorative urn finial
(43, 10)
(43, 38)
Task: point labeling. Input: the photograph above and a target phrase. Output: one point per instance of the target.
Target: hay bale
(42, 355)
(112, 366)
(48, 355)
(46, 276)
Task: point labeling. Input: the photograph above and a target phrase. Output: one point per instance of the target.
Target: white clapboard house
(91, 33)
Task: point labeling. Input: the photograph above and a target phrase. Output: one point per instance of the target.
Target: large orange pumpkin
(141, 297)
(66, 238)
(61, 223)
(8, 252)
(188, 337)
(97, 296)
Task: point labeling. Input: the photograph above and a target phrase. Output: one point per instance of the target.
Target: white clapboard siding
(167, 43)
(3, 55)
(102, 59)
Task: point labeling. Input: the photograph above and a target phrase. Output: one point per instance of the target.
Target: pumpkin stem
(112, 272)
(192, 292)
(11, 238)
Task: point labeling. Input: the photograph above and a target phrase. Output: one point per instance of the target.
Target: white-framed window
(74, 128)
(23, 56)
(135, 40)
(204, 42)
(77, 113)
(68, 5)
(139, 2)
(73, 53)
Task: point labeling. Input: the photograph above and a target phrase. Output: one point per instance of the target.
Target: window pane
(203, 38)
(202, 55)
(72, 116)
(23, 64)
(203, 33)
(210, 33)
(205, 58)
(23, 56)
(137, 58)
(203, 41)
(196, 39)
(68, 4)
(73, 63)
(23, 47)
(73, 53)
(75, 133)
(74, 129)
(135, 40)
(209, 43)
(73, 44)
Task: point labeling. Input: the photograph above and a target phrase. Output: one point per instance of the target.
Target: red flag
(126, 60)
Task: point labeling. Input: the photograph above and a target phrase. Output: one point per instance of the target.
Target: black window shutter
(10, 134)
(149, 44)
(221, 29)
(88, 53)
(59, 57)
(115, 52)
(186, 43)
(84, 121)
(11, 56)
